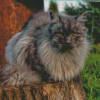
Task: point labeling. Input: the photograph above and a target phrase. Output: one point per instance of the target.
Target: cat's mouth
(65, 47)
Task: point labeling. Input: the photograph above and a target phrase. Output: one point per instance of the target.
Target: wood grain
(71, 90)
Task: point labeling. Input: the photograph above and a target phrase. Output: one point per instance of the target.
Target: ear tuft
(82, 17)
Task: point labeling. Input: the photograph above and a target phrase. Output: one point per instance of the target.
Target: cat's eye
(60, 34)
(74, 34)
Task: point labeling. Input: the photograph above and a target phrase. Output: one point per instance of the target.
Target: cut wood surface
(71, 90)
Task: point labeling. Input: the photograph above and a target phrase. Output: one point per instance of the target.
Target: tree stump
(69, 90)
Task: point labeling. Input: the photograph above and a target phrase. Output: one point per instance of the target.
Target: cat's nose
(67, 43)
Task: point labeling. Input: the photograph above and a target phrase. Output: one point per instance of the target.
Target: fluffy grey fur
(39, 53)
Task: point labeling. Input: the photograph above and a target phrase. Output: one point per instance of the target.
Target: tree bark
(69, 90)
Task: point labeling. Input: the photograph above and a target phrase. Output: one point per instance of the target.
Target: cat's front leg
(11, 76)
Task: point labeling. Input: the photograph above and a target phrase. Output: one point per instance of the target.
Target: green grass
(95, 49)
(91, 74)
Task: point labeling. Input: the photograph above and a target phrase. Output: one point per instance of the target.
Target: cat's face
(66, 32)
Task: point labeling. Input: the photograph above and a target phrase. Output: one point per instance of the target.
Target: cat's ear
(82, 18)
(53, 16)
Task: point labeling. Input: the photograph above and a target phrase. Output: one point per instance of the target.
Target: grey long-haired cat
(50, 47)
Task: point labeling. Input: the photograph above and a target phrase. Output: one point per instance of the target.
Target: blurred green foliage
(91, 74)
(53, 6)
